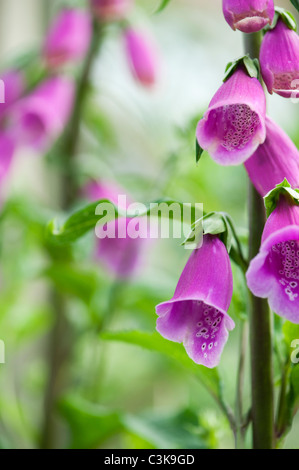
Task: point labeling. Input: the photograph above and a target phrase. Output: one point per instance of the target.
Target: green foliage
(295, 3)
(154, 342)
(252, 66)
(282, 189)
(163, 5)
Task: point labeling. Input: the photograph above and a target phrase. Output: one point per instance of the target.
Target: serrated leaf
(272, 198)
(154, 342)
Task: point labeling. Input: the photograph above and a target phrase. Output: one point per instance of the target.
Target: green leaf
(296, 4)
(290, 332)
(90, 424)
(162, 5)
(174, 432)
(73, 280)
(251, 65)
(199, 151)
(86, 219)
(75, 226)
(154, 342)
(272, 198)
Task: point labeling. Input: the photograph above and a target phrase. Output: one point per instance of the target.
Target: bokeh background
(118, 395)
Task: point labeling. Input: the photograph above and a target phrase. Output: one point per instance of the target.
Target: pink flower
(279, 59)
(197, 314)
(248, 16)
(110, 10)
(41, 116)
(7, 148)
(274, 272)
(13, 87)
(276, 159)
(141, 56)
(69, 37)
(234, 125)
(121, 255)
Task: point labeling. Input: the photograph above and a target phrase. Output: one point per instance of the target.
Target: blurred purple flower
(234, 125)
(40, 117)
(7, 148)
(279, 59)
(121, 255)
(142, 57)
(68, 38)
(197, 314)
(13, 89)
(274, 272)
(110, 10)
(276, 159)
(248, 16)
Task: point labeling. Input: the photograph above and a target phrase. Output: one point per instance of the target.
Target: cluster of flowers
(36, 117)
(235, 130)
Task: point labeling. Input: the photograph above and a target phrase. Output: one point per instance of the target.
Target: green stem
(260, 317)
(61, 339)
(240, 385)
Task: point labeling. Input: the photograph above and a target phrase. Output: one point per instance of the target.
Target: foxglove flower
(276, 159)
(69, 37)
(234, 125)
(197, 314)
(7, 148)
(13, 87)
(279, 59)
(40, 117)
(110, 10)
(141, 56)
(248, 16)
(121, 255)
(274, 272)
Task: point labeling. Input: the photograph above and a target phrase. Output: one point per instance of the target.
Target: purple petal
(279, 59)
(201, 300)
(142, 57)
(69, 37)
(41, 116)
(248, 16)
(234, 125)
(274, 272)
(276, 159)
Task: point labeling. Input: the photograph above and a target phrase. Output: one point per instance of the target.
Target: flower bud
(248, 16)
(110, 10)
(141, 56)
(69, 37)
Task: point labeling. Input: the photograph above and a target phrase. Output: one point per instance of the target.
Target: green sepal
(272, 198)
(286, 16)
(199, 151)
(252, 66)
(221, 224)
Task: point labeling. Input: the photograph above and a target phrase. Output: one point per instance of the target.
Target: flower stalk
(260, 316)
(61, 337)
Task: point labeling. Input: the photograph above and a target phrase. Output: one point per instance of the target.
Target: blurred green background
(115, 394)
